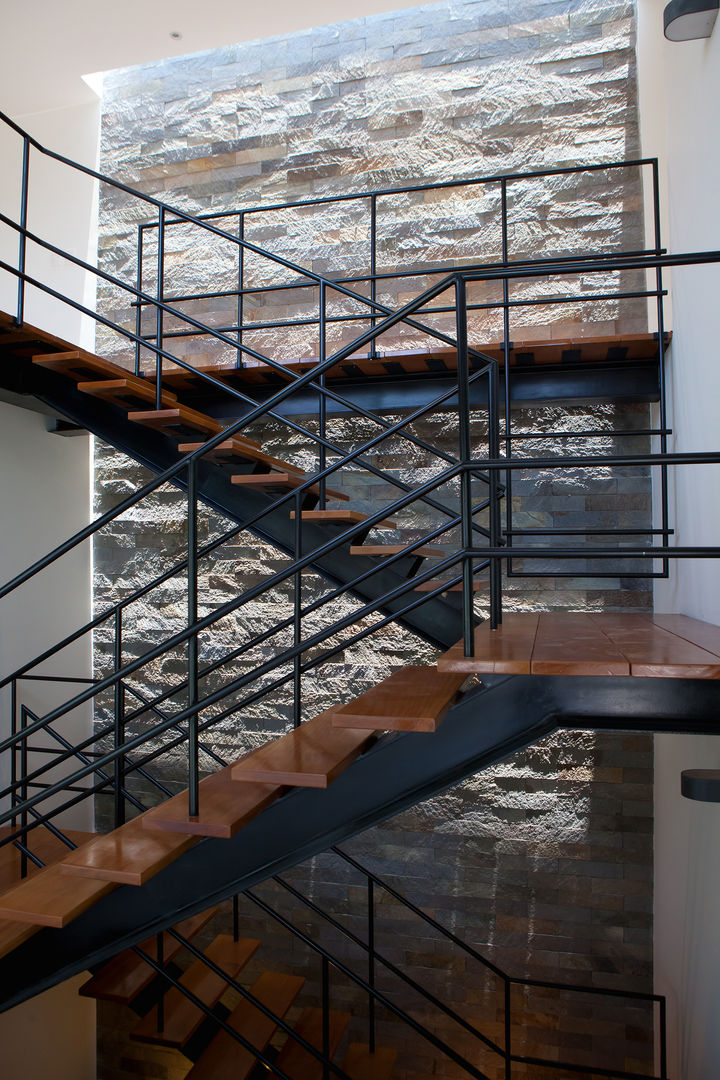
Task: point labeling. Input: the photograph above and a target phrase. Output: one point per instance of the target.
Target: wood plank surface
(411, 699)
(130, 855)
(426, 552)
(478, 585)
(240, 449)
(309, 756)
(125, 392)
(224, 807)
(360, 1064)
(298, 1062)
(81, 365)
(43, 844)
(127, 975)
(51, 898)
(181, 1017)
(226, 1058)
(572, 643)
(350, 517)
(505, 651)
(654, 652)
(704, 634)
(283, 480)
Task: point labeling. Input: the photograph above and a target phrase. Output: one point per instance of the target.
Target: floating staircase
(123, 903)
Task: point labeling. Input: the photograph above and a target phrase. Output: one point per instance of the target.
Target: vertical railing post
(297, 614)
(158, 310)
(15, 748)
(241, 287)
(463, 405)
(663, 1038)
(326, 1017)
(371, 961)
(373, 268)
(495, 516)
(23, 792)
(192, 578)
(322, 401)
(236, 917)
(506, 360)
(22, 242)
(139, 285)
(119, 726)
(508, 1030)
(664, 507)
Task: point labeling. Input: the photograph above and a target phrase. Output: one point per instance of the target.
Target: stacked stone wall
(544, 862)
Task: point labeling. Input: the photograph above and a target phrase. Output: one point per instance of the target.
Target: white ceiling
(48, 45)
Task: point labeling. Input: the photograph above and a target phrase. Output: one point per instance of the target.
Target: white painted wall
(679, 92)
(51, 1037)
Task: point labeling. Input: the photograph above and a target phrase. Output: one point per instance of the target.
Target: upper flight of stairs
(237, 478)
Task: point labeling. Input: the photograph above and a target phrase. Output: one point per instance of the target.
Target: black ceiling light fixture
(703, 785)
(686, 20)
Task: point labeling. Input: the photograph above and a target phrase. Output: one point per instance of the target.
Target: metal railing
(33, 798)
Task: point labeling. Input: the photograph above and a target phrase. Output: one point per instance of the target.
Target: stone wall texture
(543, 863)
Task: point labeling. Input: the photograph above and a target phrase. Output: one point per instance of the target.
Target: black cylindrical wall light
(686, 20)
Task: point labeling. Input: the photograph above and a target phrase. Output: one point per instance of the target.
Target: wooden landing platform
(574, 643)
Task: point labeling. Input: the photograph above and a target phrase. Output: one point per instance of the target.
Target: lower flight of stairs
(197, 1029)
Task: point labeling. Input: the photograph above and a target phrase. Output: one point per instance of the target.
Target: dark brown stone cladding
(544, 862)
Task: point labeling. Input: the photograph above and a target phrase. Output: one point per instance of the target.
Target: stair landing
(575, 643)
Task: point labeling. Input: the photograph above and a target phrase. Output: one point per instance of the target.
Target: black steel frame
(495, 471)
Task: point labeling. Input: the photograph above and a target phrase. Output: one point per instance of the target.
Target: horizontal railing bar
(595, 531)
(590, 1070)
(607, 991)
(707, 552)
(622, 433)
(389, 192)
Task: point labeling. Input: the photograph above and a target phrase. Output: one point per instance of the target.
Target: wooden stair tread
(282, 479)
(225, 1057)
(577, 647)
(127, 975)
(224, 807)
(82, 366)
(125, 391)
(51, 898)
(309, 756)
(655, 652)
(411, 699)
(352, 517)
(186, 419)
(704, 634)
(431, 585)
(581, 643)
(300, 1064)
(43, 844)
(506, 651)
(182, 1017)
(242, 448)
(360, 1064)
(130, 855)
(427, 552)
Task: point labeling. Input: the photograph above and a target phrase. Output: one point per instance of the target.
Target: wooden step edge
(413, 698)
(182, 1017)
(431, 585)
(225, 1057)
(129, 855)
(51, 898)
(384, 550)
(225, 807)
(312, 755)
(47, 359)
(298, 1062)
(283, 479)
(126, 975)
(360, 1064)
(192, 419)
(246, 449)
(112, 387)
(345, 517)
